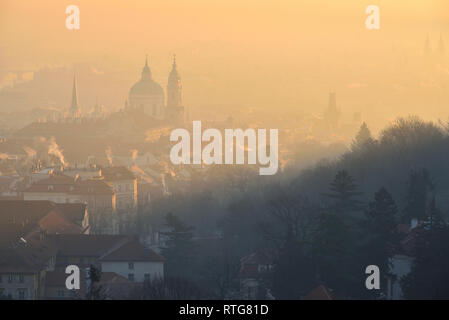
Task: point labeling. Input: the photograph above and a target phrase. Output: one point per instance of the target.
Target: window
(60, 293)
(22, 293)
(10, 278)
(131, 277)
(262, 268)
(131, 265)
(147, 276)
(21, 278)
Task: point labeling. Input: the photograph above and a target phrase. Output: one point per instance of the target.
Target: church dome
(146, 85)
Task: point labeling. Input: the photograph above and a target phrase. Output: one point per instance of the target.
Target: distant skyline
(266, 55)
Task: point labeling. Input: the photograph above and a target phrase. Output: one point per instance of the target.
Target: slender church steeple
(74, 110)
(332, 114)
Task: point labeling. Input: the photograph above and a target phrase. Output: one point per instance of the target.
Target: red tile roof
(55, 223)
(18, 218)
(74, 212)
(80, 245)
(132, 250)
(320, 293)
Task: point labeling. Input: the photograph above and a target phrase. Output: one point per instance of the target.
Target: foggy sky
(267, 55)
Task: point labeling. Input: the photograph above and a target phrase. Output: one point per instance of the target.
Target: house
(23, 269)
(59, 188)
(255, 272)
(111, 287)
(123, 255)
(95, 193)
(56, 188)
(133, 261)
(124, 184)
(83, 250)
(20, 276)
(403, 257)
(19, 218)
(83, 173)
(75, 212)
(55, 288)
(115, 287)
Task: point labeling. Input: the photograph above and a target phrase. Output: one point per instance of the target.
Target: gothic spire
(74, 105)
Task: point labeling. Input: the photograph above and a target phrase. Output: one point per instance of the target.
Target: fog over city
(222, 150)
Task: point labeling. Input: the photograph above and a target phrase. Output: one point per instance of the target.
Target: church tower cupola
(146, 72)
(174, 87)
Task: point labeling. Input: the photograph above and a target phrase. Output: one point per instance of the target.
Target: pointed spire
(174, 76)
(146, 72)
(74, 111)
(74, 105)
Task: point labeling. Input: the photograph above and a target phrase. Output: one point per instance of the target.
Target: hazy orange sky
(255, 53)
(35, 30)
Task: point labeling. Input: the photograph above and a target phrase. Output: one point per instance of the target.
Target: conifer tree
(418, 188)
(178, 251)
(363, 139)
(343, 193)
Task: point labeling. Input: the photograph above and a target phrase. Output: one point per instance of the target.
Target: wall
(155, 269)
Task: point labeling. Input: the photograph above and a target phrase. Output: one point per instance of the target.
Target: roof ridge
(117, 246)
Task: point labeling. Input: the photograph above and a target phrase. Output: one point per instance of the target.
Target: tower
(332, 114)
(146, 72)
(174, 87)
(75, 110)
(175, 108)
